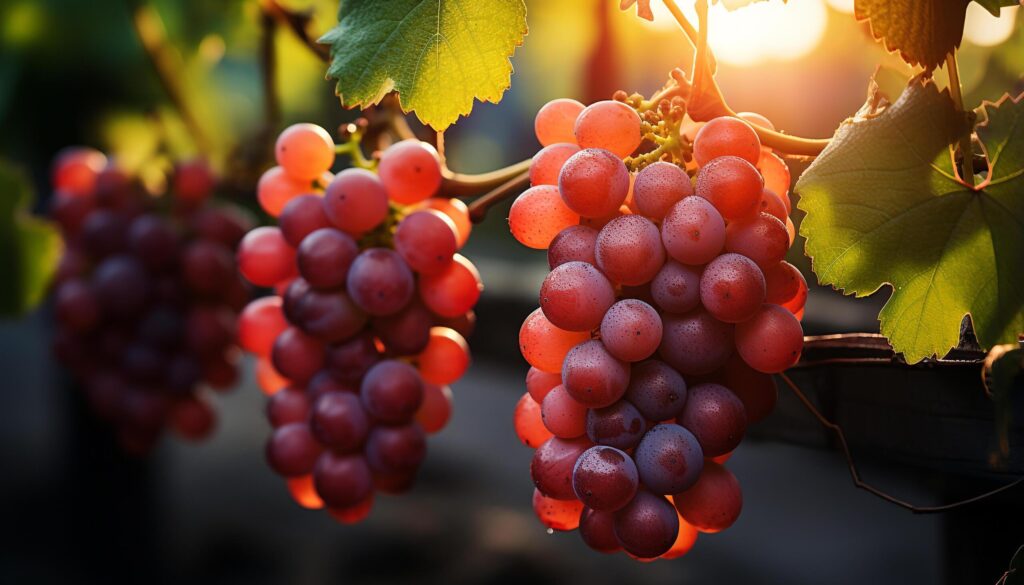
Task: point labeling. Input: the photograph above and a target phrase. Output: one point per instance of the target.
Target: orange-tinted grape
(771, 341)
(538, 214)
(543, 345)
(446, 357)
(528, 423)
(556, 120)
(305, 151)
(557, 514)
(726, 136)
(611, 125)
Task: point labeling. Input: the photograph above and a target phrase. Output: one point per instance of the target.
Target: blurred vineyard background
(75, 510)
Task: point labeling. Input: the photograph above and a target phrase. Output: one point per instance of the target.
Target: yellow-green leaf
(884, 207)
(439, 55)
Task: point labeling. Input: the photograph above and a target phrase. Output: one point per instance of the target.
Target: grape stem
(704, 84)
(352, 148)
(855, 474)
(478, 209)
(152, 34)
(461, 185)
(966, 152)
(298, 22)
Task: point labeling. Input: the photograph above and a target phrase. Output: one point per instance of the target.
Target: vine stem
(478, 209)
(967, 164)
(460, 184)
(152, 34)
(298, 22)
(786, 143)
(855, 474)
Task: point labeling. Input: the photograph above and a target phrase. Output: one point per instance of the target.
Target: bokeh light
(983, 29)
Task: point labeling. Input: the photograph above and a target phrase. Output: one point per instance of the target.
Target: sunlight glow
(844, 6)
(757, 33)
(983, 29)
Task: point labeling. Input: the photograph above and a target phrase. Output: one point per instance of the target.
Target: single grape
(629, 251)
(325, 256)
(453, 291)
(276, 188)
(305, 151)
(656, 390)
(605, 478)
(647, 527)
(392, 391)
(548, 162)
(771, 340)
(539, 383)
(356, 201)
(71, 211)
(104, 233)
(562, 414)
(436, 409)
(716, 417)
(302, 216)
(676, 287)
(732, 288)
(598, 530)
(669, 458)
(552, 465)
(292, 450)
(380, 282)
(265, 258)
(695, 343)
(426, 240)
(259, 324)
(457, 211)
(593, 183)
(783, 283)
(287, 406)
(153, 240)
(407, 332)
(303, 492)
(349, 361)
(529, 425)
(538, 215)
(660, 186)
(762, 238)
(773, 206)
(339, 422)
(619, 425)
(543, 345)
(396, 449)
(559, 515)
(574, 243)
(776, 176)
(726, 136)
(207, 268)
(75, 170)
(693, 231)
(610, 125)
(575, 296)
(353, 514)
(121, 286)
(342, 480)
(732, 185)
(556, 120)
(755, 119)
(714, 502)
(410, 171)
(76, 306)
(331, 317)
(296, 355)
(631, 330)
(593, 376)
(445, 358)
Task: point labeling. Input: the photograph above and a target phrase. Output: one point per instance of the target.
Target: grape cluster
(369, 324)
(146, 295)
(667, 308)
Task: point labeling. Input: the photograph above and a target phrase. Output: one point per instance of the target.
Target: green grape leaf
(884, 206)
(923, 31)
(30, 248)
(439, 55)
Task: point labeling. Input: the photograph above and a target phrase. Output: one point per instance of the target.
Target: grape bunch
(146, 294)
(369, 324)
(667, 308)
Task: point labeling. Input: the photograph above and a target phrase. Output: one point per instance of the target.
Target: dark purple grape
(342, 480)
(394, 483)
(324, 258)
(226, 225)
(392, 391)
(605, 478)
(297, 356)
(286, 406)
(619, 425)
(598, 530)
(162, 327)
(143, 364)
(696, 343)
(339, 421)
(142, 409)
(302, 216)
(396, 449)
(296, 289)
(552, 465)
(656, 390)
(349, 361)
(207, 268)
(648, 526)
(70, 211)
(292, 450)
(76, 306)
(380, 282)
(183, 373)
(406, 332)
(669, 459)
(716, 417)
(121, 286)
(323, 382)
(114, 188)
(331, 317)
(104, 233)
(209, 329)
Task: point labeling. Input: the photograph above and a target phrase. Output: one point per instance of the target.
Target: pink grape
(695, 343)
(773, 205)
(356, 201)
(560, 515)
(325, 256)
(610, 125)
(771, 341)
(543, 345)
(436, 409)
(593, 376)
(714, 502)
(410, 171)
(575, 296)
(380, 282)
(732, 185)
(528, 423)
(259, 324)
(762, 238)
(556, 120)
(539, 383)
(783, 283)
(693, 231)
(725, 136)
(631, 330)
(576, 242)
(552, 465)
(426, 240)
(716, 417)
(594, 183)
(732, 288)
(660, 186)
(562, 414)
(265, 258)
(302, 216)
(445, 358)
(776, 176)
(305, 151)
(75, 169)
(453, 291)
(276, 188)
(629, 250)
(457, 211)
(538, 214)
(296, 355)
(548, 162)
(676, 287)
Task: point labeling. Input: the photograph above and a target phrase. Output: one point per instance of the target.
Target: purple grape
(292, 450)
(676, 287)
(288, 405)
(598, 530)
(302, 216)
(349, 361)
(716, 417)
(648, 526)
(669, 459)
(380, 282)
(619, 425)
(342, 481)
(325, 256)
(573, 244)
(552, 465)
(331, 317)
(339, 421)
(392, 391)
(297, 356)
(153, 240)
(121, 286)
(696, 343)
(406, 332)
(604, 478)
(656, 390)
(396, 449)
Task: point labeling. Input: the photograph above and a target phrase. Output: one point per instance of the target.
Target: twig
(855, 475)
(149, 27)
(966, 152)
(460, 185)
(478, 209)
(298, 22)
